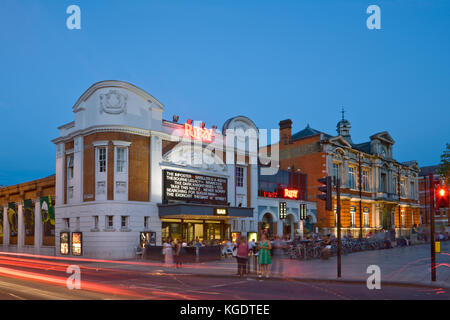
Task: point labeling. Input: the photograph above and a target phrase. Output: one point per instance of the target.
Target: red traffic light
(442, 197)
(327, 190)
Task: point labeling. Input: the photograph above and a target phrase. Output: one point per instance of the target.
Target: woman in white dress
(168, 254)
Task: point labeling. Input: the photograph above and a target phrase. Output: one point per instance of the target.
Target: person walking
(242, 255)
(168, 253)
(177, 251)
(264, 256)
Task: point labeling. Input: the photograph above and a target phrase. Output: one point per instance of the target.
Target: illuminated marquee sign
(197, 133)
(188, 187)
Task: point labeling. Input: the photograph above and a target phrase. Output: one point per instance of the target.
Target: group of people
(266, 252)
(173, 252)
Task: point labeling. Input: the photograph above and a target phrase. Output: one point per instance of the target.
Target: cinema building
(124, 175)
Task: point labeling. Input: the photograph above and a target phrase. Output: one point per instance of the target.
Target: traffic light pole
(432, 242)
(338, 200)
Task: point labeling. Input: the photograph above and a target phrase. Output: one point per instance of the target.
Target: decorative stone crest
(113, 102)
(184, 155)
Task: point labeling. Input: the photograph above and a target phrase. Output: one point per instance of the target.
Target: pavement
(398, 266)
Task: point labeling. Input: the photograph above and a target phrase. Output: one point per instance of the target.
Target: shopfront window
(191, 230)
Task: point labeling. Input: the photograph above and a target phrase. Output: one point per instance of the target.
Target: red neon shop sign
(291, 193)
(197, 133)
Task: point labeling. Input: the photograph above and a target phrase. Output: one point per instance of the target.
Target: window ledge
(125, 230)
(109, 230)
(95, 230)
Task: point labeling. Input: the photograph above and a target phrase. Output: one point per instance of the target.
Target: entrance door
(267, 223)
(213, 231)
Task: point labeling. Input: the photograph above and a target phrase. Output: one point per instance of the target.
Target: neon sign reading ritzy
(282, 193)
(292, 194)
(197, 133)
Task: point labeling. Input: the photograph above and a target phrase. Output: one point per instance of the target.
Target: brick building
(442, 215)
(387, 195)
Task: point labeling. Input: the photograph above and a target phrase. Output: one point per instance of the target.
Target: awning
(201, 211)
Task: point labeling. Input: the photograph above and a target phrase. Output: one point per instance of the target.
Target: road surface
(24, 278)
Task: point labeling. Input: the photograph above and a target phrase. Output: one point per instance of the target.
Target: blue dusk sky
(210, 60)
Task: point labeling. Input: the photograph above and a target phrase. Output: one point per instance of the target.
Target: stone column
(20, 227)
(254, 193)
(344, 176)
(60, 169)
(78, 170)
(37, 226)
(376, 179)
(156, 192)
(5, 226)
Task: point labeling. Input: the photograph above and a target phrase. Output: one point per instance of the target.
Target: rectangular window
(66, 223)
(383, 182)
(95, 222)
(239, 176)
(353, 215)
(109, 222)
(146, 222)
(365, 180)
(121, 160)
(335, 216)
(101, 160)
(366, 219)
(124, 222)
(402, 187)
(403, 218)
(351, 178)
(69, 167)
(411, 190)
(395, 185)
(336, 168)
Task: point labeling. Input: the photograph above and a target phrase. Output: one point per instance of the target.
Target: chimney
(285, 131)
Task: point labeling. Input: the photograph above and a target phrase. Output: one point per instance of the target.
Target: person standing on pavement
(168, 253)
(279, 245)
(242, 255)
(264, 256)
(177, 250)
(251, 248)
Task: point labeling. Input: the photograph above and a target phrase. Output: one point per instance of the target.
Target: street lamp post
(338, 200)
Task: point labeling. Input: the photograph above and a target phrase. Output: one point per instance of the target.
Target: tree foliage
(444, 165)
